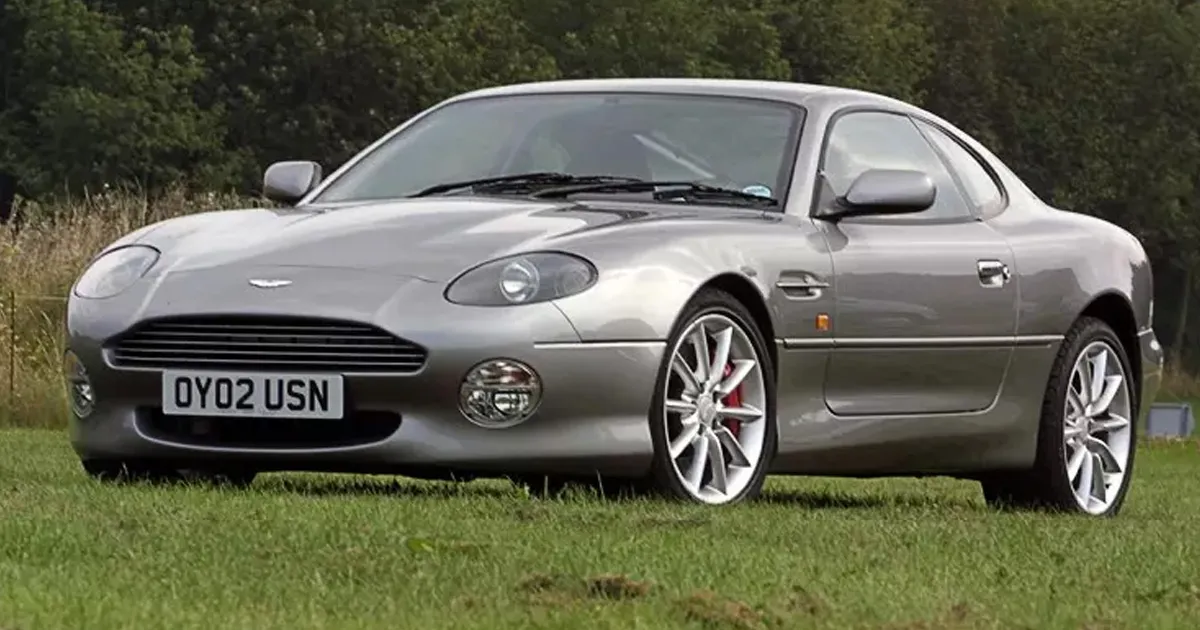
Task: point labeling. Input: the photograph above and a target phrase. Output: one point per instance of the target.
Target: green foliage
(455, 46)
(671, 38)
(879, 45)
(88, 102)
(320, 79)
(1093, 102)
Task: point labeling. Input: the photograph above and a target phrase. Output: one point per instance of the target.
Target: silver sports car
(677, 286)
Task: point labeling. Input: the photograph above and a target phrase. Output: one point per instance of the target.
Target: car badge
(269, 284)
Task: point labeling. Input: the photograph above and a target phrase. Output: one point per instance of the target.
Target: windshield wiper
(675, 190)
(523, 180)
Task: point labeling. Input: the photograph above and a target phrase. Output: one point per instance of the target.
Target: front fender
(646, 280)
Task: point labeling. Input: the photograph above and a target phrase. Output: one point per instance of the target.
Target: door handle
(993, 273)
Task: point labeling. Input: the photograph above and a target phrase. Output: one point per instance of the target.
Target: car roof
(782, 91)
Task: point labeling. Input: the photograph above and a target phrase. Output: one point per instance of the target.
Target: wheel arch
(745, 291)
(1114, 309)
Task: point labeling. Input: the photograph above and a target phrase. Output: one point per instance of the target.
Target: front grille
(265, 343)
(357, 428)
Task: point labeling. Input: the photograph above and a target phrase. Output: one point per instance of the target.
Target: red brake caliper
(734, 399)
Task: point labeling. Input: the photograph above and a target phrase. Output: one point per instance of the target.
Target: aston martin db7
(668, 285)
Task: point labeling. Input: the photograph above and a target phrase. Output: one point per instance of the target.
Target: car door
(925, 304)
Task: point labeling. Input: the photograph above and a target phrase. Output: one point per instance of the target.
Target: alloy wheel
(1097, 435)
(714, 406)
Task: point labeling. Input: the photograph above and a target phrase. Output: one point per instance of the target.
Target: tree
(878, 45)
(320, 79)
(87, 103)
(657, 38)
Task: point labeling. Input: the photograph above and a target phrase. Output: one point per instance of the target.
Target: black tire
(663, 479)
(1046, 486)
(129, 471)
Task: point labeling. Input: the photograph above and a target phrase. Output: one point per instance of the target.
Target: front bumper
(592, 417)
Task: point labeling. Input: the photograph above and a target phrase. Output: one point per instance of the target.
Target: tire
(753, 429)
(1060, 468)
(119, 471)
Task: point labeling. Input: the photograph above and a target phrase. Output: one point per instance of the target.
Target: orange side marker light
(823, 322)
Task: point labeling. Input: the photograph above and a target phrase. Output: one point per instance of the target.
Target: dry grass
(1178, 385)
(40, 260)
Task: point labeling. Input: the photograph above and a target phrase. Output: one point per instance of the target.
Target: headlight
(522, 279)
(116, 271)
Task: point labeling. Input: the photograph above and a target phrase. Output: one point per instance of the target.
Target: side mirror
(883, 192)
(288, 182)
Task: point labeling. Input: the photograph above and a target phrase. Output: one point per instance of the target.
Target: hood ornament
(264, 283)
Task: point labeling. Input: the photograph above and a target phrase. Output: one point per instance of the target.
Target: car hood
(434, 239)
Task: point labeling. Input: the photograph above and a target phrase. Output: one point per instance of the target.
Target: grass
(324, 551)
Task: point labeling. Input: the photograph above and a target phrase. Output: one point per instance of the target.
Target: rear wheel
(713, 415)
(1087, 438)
(122, 471)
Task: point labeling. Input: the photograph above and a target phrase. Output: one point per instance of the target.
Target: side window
(981, 188)
(861, 141)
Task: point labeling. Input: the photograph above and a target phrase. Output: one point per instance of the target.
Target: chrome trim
(1038, 340)
(993, 274)
(272, 283)
(800, 284)
(804, 288)
(597, 345)
(808, 343)
(271, 342)
(921, 342)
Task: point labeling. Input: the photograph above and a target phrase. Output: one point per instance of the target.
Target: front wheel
(712, 419)
(1088, 434)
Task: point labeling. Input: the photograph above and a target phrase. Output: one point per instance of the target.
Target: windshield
(724, 141)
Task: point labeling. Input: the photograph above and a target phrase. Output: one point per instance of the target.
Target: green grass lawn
(306, 551)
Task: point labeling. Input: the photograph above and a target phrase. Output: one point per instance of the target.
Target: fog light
(499, 393)
(79, 386)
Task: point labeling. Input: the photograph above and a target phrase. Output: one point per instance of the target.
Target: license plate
(188, 393)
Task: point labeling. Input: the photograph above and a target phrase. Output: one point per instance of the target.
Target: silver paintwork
(935, 364)
(898, 190)
(289, 181)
